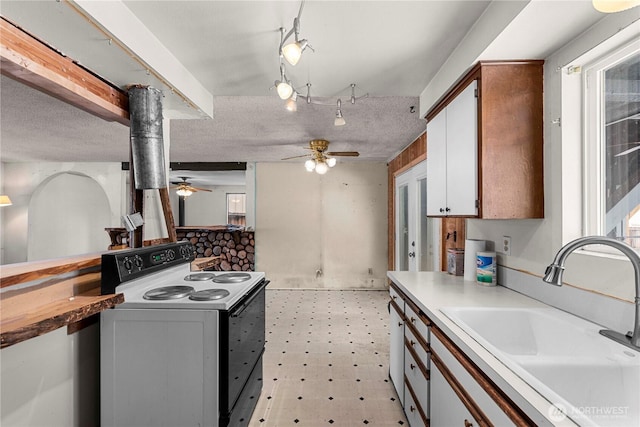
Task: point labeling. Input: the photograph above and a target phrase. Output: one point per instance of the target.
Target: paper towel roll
(471, 248)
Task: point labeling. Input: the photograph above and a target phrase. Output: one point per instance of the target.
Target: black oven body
(241, 344)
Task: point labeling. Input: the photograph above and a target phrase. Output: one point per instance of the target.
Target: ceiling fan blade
(296, 157)
(625, 152)
(343, 153)
(199, 189)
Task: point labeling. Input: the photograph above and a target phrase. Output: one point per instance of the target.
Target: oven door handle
(244, 306)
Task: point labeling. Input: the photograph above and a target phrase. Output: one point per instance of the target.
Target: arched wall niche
(68, 213)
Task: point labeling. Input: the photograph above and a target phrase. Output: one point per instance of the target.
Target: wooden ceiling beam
(34, 63)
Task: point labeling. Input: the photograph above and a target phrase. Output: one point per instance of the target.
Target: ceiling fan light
(331, 162)
(183, 192)
(322, 168)
(612, 6)
(5, 201)
(310, 165)
(292, 52)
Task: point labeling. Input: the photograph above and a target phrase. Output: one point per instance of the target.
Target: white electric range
(185, 348)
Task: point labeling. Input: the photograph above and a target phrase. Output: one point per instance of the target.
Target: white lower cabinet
(412, 409)
(417, 377)
(451, 385)
(439, 385)
(447, 410)
(396, 341)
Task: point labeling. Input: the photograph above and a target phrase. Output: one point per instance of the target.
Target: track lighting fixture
(292, 104)
(292, 52)
(283, 86)
(339, 121)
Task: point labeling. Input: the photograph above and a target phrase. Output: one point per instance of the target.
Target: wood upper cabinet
(498, 105)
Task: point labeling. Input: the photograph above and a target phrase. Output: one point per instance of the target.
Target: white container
(486, 268)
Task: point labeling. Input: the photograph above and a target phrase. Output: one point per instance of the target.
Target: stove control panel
(121, 266)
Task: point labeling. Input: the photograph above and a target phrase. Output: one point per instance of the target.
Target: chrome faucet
(553, 275)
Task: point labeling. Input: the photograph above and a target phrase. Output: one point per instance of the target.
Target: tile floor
(326, 360)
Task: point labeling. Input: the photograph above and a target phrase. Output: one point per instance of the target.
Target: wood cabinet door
(462, 153)
(453, 236)
(437, 165)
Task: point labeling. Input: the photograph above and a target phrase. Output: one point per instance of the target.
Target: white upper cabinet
(452, 157)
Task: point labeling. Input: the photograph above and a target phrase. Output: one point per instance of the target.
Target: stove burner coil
(231, 277)
(199, 277)
(168, 292)
(209, 295)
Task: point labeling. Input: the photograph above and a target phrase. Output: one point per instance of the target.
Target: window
(236, 208)
(612, 154)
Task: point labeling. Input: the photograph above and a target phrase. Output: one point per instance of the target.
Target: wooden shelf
(55, 315)
(39, 297)
(12, 274)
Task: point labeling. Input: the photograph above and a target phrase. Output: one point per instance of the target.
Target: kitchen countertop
(432, 291)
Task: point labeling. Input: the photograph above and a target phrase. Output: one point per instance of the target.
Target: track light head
(339, 121)
(292, 104)
(284, 89)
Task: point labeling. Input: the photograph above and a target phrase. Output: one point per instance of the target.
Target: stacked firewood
(235, 249)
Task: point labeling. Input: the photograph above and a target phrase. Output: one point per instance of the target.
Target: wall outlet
(505, 247)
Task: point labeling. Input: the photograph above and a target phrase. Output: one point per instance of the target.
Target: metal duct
(147, 145)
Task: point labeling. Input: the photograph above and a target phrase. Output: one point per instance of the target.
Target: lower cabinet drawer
(412, 409)
(411, 341)
(417, 375)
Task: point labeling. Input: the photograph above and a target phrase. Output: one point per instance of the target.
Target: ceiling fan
(185, 188)
(321, 159)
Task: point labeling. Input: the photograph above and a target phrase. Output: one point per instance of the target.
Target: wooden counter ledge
(39, 297)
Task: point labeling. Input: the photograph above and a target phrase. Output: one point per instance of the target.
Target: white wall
(21, 180)
(335, 223)
(52, 380)
(67, 215)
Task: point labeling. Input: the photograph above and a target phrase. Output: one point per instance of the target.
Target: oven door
(244, 341)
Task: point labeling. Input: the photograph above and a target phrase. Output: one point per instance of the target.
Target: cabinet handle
(413, 319)
(399, 323)
(412, 366)
(441, 210)
(412, 409)
(467, 423)
(394, 297)
(447, 209)
(412, 342)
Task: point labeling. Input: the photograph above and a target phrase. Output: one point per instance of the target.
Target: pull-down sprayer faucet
(553, 275)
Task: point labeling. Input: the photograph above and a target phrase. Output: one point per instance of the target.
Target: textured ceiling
(390, 49)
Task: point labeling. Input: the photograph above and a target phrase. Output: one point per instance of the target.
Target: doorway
(417, 236)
